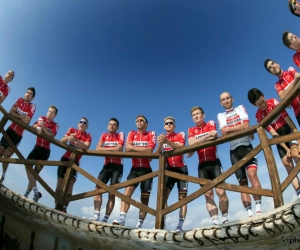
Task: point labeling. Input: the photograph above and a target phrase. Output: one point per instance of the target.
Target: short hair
(85, 119)
(266, 63)
(13, 74)
(54, 107)
(292, 9)
(170, 117)
(286, 40)
(253, 95)
(115, 120)
(142, 117)
(33, 91)
(195, 108)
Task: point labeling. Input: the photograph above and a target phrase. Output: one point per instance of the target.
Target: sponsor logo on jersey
(21, 112)
(110, 144)
(140, 143)
(201, 135)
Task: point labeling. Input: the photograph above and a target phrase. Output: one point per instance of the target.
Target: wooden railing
(265, 143)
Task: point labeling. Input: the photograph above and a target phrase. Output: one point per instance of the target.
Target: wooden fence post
(160, 204)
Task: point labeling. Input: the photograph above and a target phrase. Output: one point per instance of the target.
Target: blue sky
(103, 59)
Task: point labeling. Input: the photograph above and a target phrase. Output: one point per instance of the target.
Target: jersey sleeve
(221, 117)
(70, 131)
(16, 105)
(278, 87)
(243, 113)
(182, 138)
(130, 137)
(296, 59)
(121, 139)
(55, 129)
(275, 102)
(152, 140)
(101, 140)
(292, 71)
(191, 133)
(88, 137)
(211, 126)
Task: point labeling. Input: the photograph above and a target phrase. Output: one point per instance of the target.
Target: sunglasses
(140, 120)
(169, 123)
(83, 122)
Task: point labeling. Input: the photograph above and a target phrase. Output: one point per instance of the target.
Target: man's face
(226, 100)
(169, 126)
(296, 6)
(274, 68)
(82, 125)
(51, 114)
(9, 76)
(141, 123)
(112, 127)
(28, 96)
(197, 116)
(294, 40)
(261, 103)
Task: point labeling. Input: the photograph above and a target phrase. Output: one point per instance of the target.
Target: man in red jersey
(209, 164)
(4, 89)
(278, 127)
(294, 7)
(41, 150)
(112, 169)
(287, 80)
(23, 109)
(168, 142)
(138, 141)
(292, 41)
(78, 138)
(235, 119)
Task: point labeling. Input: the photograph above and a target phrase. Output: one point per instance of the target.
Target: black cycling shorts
(62, 170)
(13, 136)
(285, 130)
(210, 169)
(181, 184)
(146, 186)
(39, 153)
(111, 171)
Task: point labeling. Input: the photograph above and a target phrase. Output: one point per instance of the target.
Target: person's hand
(190, 154)
(288, 153)
(224, 131)
(72, 138)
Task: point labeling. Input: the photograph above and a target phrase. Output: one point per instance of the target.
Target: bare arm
(211, 135)
(2, 98)
(130, 148)
(284, 93)
(116, 148)
(24, 118)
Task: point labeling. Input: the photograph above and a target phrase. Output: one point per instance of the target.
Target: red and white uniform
(52, 127)
(233, 117)
(4, 89)
(278, 122)
(23, 108)
(81, 136)
(145, 140)
(175, 161)
(284, 82)
(112, 140)
(296, 58)
(206, 154)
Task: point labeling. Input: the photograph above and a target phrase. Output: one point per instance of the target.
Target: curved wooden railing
(265, 143)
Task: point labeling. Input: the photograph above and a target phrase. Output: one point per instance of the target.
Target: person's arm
(275, 134)
(82, 145)
(291, 124)
(210, 135)
(2, 97)
(282, 94)
(14, 112)
(115, 148)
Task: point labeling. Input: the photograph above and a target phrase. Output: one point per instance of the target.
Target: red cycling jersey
(176, 161)
(296, 58)
(4, 89)
(284, 82)
(52, 127)
(206, 154)
(278, 122)
(82, 136)
(112, 140)
(145, 140)
(23, 108)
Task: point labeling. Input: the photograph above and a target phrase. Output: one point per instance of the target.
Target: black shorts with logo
(111, 171)
(62, 170)
(39, 153)
(182, 185)
(13, 136)
(285, 130)
(239, 153)
(146, 186)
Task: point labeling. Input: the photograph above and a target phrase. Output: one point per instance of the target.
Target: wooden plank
(214, 182)
(66, 181)
(120, 154)
(3, 111)
(3, 120)
(29, 167)
(114, 192)
(209, 143)
(116, 186)
(160, 199)
(271, 163)
(290, 177)
(33, 162)
(284, 138)
(226, 186)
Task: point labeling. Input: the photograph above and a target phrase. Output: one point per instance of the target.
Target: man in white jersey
(235, 119)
